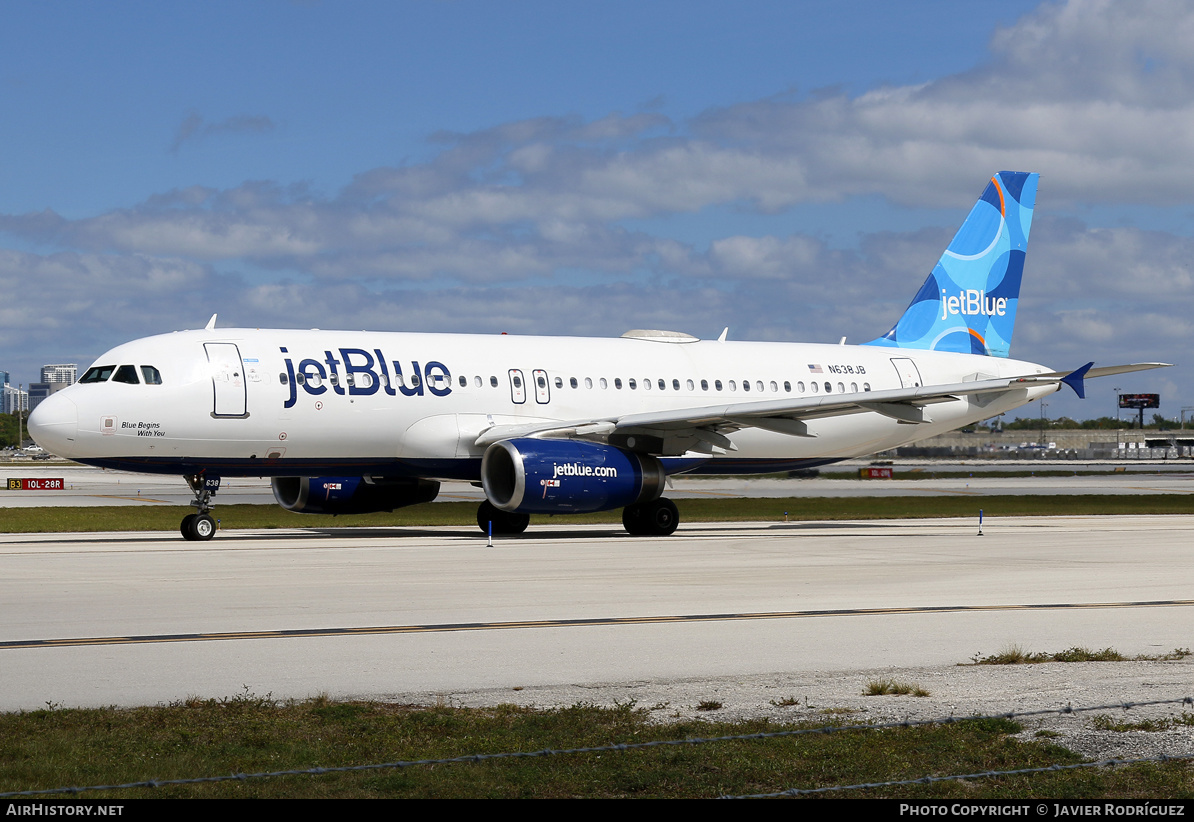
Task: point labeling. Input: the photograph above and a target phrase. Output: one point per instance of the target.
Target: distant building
(3, 378)
(64, 373)
(15, 399)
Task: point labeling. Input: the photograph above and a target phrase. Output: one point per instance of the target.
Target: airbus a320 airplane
(351, 422)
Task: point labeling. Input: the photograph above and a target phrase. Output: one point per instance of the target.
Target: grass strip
(986, 473)
(1016, 655)
(167, 518)
(247, 734)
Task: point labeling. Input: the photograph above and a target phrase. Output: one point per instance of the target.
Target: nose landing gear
(200, 525)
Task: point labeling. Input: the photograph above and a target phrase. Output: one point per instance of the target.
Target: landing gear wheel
(198, 527)
(204, 527)
(503, 521)
(658, 518)
(632, 519)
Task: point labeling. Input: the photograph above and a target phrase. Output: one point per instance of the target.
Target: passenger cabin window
(126, 373)
(463, 381)
(493, 381)
(98, 373)
(151, 375)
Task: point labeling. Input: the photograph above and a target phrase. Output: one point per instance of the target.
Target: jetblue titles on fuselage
(364, 373)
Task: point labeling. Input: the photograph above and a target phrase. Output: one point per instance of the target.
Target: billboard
(1139, 400)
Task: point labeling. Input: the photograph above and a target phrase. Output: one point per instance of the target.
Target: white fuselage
(287, 403)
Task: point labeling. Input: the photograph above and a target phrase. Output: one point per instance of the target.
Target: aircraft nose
(54, 424)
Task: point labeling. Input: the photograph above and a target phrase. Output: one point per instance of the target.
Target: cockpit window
(151, 375)
(126, 373)
(98, 373)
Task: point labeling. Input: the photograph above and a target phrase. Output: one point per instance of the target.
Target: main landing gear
(199, 525)
(657, 518)
(503, 521)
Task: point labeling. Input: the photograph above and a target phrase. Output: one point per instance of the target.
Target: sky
(791, 170)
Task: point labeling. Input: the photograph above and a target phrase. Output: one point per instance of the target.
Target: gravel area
(958, 691)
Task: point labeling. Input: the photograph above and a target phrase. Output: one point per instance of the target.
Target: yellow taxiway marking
(569, 623)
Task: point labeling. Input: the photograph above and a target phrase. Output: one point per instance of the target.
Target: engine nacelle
(531, 476)
(351, 495)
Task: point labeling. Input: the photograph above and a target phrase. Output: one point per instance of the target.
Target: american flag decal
(814, 369)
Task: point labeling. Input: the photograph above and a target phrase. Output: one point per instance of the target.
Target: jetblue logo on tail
(971, 302)
(968, 303)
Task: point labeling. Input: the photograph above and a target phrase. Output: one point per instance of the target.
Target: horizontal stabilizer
(1110, 370)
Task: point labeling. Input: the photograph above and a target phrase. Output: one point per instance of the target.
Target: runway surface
(128, 619)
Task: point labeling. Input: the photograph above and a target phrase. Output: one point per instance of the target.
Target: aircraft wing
(704, 428)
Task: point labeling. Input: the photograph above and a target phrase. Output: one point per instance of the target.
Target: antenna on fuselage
(724, 331)
(210, 323)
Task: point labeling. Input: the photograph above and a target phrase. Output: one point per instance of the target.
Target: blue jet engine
(533, 476)
(351, 495)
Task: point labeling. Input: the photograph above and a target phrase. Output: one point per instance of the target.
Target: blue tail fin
(968, 304)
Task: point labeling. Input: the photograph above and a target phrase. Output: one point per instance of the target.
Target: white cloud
(1097, 95)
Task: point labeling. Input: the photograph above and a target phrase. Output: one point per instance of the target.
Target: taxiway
(129, 619)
